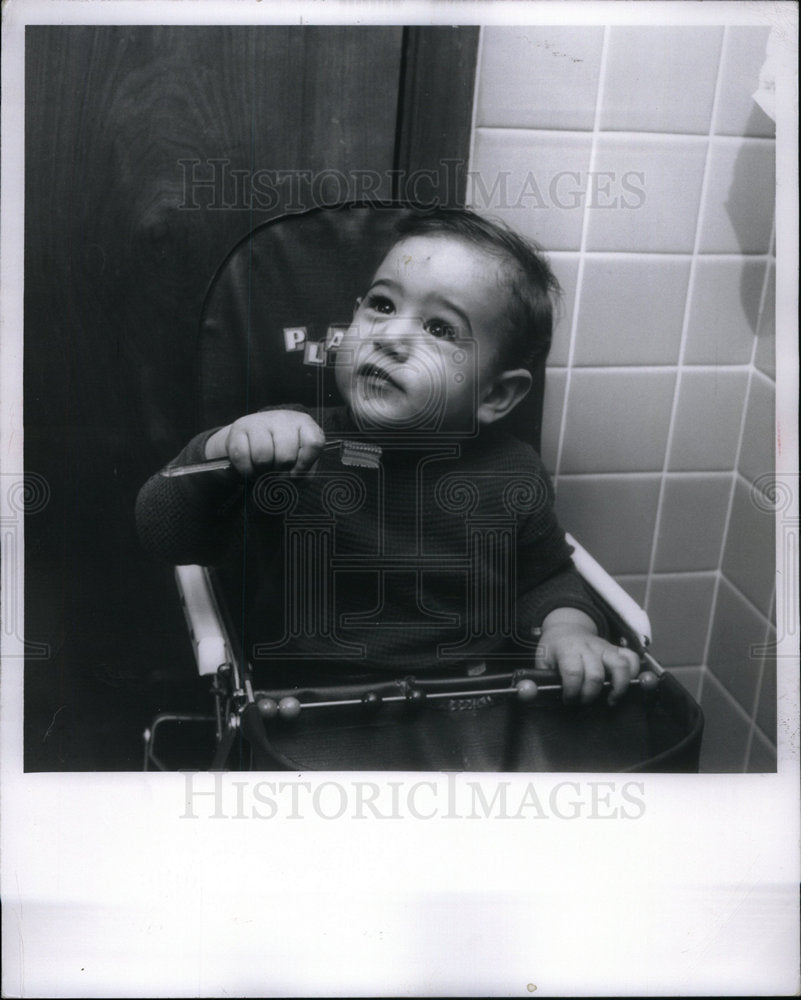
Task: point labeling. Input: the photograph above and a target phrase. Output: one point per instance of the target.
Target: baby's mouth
(376, 375)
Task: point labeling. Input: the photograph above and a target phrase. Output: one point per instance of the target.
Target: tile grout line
(760, 375)
(746, 482)
(757, 696)
(746, 600)
(764, 294)
(693, 270)
(673, 574)
(581, 261)
(736, 478)
(737, 475)
(732, 704)
(660, 504)
(628, 134)
(754, 372)
(652, 369)
(716, 256)
(652, 474)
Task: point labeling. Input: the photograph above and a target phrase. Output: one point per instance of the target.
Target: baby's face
(421, 349)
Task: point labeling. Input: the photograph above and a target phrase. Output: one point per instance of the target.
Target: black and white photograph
(400, 499)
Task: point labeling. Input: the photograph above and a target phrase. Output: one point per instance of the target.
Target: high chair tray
(649, 730)
(655, 728)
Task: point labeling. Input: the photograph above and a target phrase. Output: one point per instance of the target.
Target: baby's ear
(503, 394)
(356, 304)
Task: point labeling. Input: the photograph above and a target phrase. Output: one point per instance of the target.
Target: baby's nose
(396, 335)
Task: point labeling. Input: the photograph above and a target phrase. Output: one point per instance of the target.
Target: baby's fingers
(239, 449)
(285, 446)
(622, 665)
(593, 679)
(580, 677)
(311, 440)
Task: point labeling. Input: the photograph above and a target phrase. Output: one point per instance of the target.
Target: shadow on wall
(745, 207)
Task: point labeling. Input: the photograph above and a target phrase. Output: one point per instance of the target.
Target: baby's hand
(571, 645)
(276, 439)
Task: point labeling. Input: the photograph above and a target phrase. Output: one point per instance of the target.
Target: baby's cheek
(343, 369)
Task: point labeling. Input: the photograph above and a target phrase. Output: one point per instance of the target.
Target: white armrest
(203, 618)
(611, 591)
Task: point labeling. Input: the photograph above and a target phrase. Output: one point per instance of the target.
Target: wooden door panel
(119, 249)
(123, 233)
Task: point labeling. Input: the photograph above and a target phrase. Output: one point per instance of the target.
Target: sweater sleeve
(190, 519)
(547, 578)
(563, 589)
(195, 519)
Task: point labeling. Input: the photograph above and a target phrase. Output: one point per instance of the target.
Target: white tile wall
(637, 157)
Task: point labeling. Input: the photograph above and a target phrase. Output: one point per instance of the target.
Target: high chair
(271, 320)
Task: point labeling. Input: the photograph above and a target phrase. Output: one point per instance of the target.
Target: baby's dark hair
(533, 287)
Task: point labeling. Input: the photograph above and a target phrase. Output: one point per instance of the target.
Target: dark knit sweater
(444, 554)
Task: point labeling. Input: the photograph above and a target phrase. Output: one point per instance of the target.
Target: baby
(450, 555)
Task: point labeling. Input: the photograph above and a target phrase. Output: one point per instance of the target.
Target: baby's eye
(440, 329)
(380, 304)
